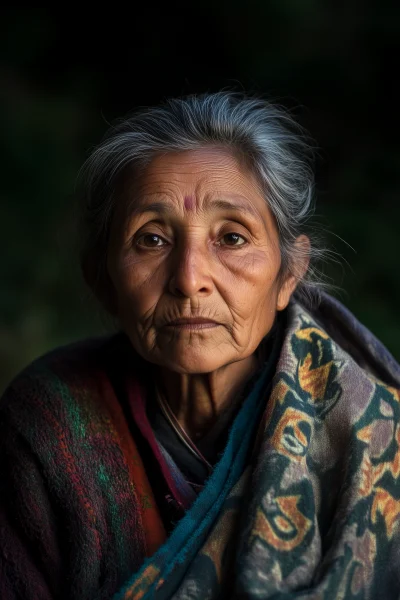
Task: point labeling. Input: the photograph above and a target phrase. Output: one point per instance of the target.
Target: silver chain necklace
(179, 430)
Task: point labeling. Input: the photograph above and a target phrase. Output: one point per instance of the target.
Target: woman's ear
(299, 266)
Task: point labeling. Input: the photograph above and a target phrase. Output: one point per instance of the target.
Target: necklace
(179, 430)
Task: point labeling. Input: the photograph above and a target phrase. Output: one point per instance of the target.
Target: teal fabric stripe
(191, 532)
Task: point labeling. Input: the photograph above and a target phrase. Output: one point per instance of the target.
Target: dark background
(64, 75)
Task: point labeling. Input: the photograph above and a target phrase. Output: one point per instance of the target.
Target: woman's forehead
(199, 165)
(194, 180)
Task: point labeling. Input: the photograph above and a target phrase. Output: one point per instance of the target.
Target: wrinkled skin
(187, 263)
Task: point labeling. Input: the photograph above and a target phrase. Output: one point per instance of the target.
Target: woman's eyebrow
(167, 208)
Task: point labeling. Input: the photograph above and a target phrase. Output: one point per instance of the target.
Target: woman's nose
(190, 270)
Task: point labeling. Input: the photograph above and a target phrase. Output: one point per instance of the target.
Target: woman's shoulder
(70, 375)
(349, 337)
(64, 467)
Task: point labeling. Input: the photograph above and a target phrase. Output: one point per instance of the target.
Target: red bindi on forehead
(189, 202)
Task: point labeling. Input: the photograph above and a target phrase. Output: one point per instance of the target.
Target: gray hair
(273, 145)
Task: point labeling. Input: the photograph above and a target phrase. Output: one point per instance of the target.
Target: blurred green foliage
(62, 80)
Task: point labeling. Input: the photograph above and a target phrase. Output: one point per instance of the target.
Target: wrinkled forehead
(192, 181)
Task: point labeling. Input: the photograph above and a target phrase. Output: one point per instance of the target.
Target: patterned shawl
(314, 513)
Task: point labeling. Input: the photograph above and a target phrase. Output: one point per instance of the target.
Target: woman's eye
(235, 237)
(150, 235)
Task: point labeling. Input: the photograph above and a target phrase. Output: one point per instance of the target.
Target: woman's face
(190, 256)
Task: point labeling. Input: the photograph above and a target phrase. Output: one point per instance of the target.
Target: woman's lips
(194, 325)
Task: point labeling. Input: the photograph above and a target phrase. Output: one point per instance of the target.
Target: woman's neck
(197, 400)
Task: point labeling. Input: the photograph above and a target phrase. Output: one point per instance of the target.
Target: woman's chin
(190, 366)
(191, 361)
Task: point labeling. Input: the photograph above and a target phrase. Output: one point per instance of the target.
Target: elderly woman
(238, 436)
